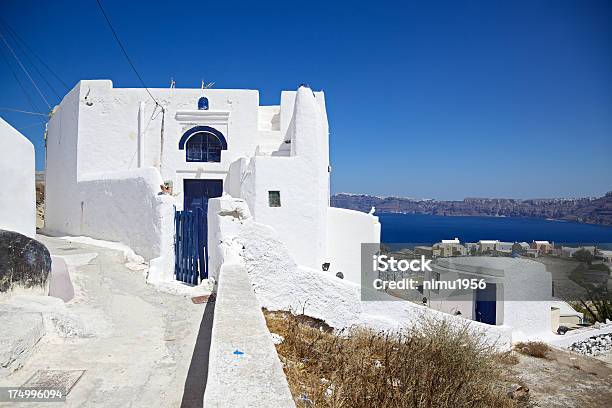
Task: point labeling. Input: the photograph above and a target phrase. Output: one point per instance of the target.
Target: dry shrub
(507, 358)
(434, 365)
(535, 349)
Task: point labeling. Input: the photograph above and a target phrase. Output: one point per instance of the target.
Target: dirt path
(138, 342)
(567, 380)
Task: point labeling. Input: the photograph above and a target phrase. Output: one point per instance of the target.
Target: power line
(25, 70)
(9, 34)
(125, 53)
(23, 111)
(18, 37)
(23, 89)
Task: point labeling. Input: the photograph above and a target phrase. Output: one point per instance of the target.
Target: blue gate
(189, 246)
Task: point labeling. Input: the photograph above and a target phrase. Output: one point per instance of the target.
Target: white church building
(119, 165)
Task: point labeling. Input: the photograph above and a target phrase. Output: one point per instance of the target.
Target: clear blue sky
(426, 99)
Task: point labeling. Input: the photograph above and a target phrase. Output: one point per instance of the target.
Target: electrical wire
(23, 89)
(127, 57)
(23, 111)
(25, 44)
(11, 33)
(25, 70)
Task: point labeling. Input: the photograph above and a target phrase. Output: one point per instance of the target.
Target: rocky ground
(594, 346)
(134, 343)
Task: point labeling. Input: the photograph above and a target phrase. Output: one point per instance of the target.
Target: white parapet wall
(244, 369)
(18, 198)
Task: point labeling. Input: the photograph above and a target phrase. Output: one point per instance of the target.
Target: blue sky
(437, 99)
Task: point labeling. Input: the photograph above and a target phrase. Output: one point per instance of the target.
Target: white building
(504, 247)
(109, 150)
(450, 247)
(18, 197)
(518, 293)
(487, 245)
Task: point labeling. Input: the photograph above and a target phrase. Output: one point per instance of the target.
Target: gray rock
(23, 261)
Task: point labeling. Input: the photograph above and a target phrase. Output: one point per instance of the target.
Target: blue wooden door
(486, 309)
(196, 194)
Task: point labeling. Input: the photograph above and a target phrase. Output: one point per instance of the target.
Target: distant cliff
(590, 210)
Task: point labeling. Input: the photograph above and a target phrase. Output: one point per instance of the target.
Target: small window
(203, 103)
(274, 199)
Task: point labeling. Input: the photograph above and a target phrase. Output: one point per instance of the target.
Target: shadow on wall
(195, 384)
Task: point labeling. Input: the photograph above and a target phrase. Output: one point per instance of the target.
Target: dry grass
(435, 365)
(535, 349)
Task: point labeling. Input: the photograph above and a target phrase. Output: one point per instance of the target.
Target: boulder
(24, 262)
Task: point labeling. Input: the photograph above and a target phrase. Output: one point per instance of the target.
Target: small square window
(274, 199)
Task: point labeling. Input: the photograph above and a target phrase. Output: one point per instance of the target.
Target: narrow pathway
(138, 343)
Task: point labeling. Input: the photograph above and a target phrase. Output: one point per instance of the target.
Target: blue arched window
(203, 103)
(203, 144)
(204, 147)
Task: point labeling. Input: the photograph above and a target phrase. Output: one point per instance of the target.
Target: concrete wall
(347, 230)
(18, 197)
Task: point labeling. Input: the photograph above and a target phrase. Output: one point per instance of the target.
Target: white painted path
(137, 343)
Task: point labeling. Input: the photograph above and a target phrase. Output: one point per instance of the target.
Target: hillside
(589, 210)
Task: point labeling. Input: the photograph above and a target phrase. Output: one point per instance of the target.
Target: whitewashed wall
(18, 197)
(108, 129)
(125, 206)
(62, 206)
(347, 230)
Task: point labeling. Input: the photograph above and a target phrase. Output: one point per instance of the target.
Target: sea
(429, 229)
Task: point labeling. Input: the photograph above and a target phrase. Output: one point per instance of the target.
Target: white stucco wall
(347, 230)
(18, 198)
(125, 206)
